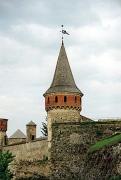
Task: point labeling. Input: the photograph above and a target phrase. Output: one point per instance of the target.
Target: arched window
(56, 99)
(65, 99)
(75, 99)
(48, 100)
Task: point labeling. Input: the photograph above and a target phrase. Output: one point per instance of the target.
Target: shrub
(5, 159)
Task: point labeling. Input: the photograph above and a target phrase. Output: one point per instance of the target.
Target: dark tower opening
(75, 99)
(65, 99)
(48, 100)
(56, 99)
(32, 137)
(5, 140)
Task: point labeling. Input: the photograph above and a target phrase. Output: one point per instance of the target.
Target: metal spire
(63, 31)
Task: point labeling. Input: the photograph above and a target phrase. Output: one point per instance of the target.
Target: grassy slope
(105, 142)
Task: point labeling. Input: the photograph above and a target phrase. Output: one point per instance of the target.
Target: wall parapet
(30, 150)
(25, 142)
(87, 123)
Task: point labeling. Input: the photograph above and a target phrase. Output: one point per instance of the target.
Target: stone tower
(63, 98)
(31, 131)
(3, 129)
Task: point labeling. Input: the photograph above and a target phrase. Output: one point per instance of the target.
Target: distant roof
(18, 135)
(63, 80)
(31, 123)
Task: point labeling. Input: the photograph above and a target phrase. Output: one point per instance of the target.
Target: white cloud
(35, 33)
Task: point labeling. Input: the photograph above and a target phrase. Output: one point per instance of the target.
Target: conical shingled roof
(63, 80)
(31, 123)
(18, 135)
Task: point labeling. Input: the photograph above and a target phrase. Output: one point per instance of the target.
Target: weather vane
(63, 31)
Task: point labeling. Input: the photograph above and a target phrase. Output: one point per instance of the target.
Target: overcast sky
(30, 40)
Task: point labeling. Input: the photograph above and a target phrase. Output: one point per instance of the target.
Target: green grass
(116, 177)
(100, 122)
(105, 142)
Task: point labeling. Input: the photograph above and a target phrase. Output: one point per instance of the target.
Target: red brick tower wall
(56, 100)
(3, 124)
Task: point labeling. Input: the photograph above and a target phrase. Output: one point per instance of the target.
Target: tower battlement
(63, 101)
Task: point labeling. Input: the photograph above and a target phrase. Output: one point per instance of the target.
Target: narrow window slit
(48, 100)
(65, 99)
(75, 99)
(56, 99)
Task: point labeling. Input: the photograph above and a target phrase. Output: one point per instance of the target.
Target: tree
(44, 128)
(5, 159)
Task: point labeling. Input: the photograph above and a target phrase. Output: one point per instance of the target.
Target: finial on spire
(63, 32)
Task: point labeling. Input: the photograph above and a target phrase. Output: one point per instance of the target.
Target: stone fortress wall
(34, 150)
(30, 158)
(70, 145)
(16, 141)
(30, 152)
(67, 154)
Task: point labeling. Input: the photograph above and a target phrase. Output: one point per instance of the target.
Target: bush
(5, 159)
